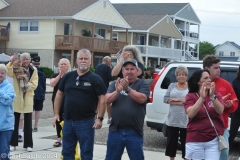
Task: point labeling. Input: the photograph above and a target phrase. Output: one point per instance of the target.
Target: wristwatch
(100, 118)
(128, 90)
(213, 98)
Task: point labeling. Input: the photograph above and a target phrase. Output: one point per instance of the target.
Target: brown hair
(209, 60)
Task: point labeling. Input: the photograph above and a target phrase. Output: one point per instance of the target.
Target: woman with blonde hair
(64, 67)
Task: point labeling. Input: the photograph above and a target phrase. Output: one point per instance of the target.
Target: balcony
(64, 42)
(5, 32)
(160, 52)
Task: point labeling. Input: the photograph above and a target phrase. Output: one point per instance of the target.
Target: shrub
(47, 71)
(92, 69)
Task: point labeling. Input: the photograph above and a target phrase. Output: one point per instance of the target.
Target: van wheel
(149, 81)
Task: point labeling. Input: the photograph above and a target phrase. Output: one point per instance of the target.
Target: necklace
(182, 87)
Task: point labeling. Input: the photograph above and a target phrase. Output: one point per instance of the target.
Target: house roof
(232, 59)
(235, 45)
(142, 22)
(232, 43)
(32, 8)
(149, 8)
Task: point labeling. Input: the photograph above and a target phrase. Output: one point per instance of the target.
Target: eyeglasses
(77, 81)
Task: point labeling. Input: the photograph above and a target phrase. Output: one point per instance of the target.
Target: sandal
(57, 144)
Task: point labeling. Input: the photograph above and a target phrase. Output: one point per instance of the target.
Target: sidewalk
(43, 147)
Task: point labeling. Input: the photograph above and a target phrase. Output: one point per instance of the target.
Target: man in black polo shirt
(129, 98)
(82, 90)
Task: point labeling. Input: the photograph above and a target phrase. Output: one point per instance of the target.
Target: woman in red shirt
(202, 141)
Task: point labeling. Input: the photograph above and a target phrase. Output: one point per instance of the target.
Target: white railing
(160, 52)
(189, 56)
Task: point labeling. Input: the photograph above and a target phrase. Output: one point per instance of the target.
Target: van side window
(229, 74)
(170, 76)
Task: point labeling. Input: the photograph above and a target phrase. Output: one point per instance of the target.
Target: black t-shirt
(127, 112)
(81, 94)
(104, 71)
(140, 66)
(55, 89)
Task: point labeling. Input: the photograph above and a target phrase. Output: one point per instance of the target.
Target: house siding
(2, 5)
(167, 29)
(227, 48)
(46, 55)
(43, 39)
(189, 14)
(105, 15)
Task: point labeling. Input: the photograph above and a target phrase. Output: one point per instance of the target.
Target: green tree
(205, 48)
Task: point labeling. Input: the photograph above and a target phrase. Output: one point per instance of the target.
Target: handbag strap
(209, 117)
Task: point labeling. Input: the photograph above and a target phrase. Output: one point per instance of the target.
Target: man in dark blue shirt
(82, 90)
(105, 72)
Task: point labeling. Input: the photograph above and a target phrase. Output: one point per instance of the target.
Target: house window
(115, 36)
(232, 54)
(220, 53)
(101, 32)
(167, 20)
(29, 26)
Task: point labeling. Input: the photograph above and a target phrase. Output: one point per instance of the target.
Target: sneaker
(20, 138)
(12, 148)
(29, 149)
(35, 129)
(109, 121)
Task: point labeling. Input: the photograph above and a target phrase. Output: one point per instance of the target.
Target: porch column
(159, 40)
(185, 29)
(73, 44)
(147, 39)
(159, 61)
(127, 35)
(172, 43)
(111, 40)
(92, 48)
(198, 43)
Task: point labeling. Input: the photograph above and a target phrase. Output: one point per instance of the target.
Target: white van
(156, 110)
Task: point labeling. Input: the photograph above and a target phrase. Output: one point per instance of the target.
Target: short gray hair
(181, 68)
(25, 55)
(3, 68)
(84, 51)
(68, 63)
(136, 52)
(106, 58)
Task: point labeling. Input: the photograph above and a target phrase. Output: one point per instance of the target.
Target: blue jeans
(82, 131)
(120, 139)
(5, 137)
(224, 153)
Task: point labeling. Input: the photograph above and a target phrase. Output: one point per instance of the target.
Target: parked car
(156, 110)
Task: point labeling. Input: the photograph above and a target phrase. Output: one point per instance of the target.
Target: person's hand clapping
(124, 82)
(212, 89)
(118, 86)
(203, 92)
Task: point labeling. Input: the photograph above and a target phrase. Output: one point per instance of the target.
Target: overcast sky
(220, 19)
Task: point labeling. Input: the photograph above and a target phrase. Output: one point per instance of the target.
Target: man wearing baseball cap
(129, 98)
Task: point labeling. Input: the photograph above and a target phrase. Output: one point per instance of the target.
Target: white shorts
(203, 150)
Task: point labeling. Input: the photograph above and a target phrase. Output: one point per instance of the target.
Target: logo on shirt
(210, 104)
(86, 84)
(123, 93)
(222, 89)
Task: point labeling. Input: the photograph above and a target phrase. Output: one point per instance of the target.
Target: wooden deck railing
(64, 42)
(4, 32)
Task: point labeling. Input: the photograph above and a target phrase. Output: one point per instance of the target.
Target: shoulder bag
(222, 144)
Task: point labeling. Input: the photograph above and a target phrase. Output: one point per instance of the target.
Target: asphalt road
(153, 140)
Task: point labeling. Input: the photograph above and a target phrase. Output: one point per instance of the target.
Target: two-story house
(228, 51)
(53, 29)
(162, 31)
